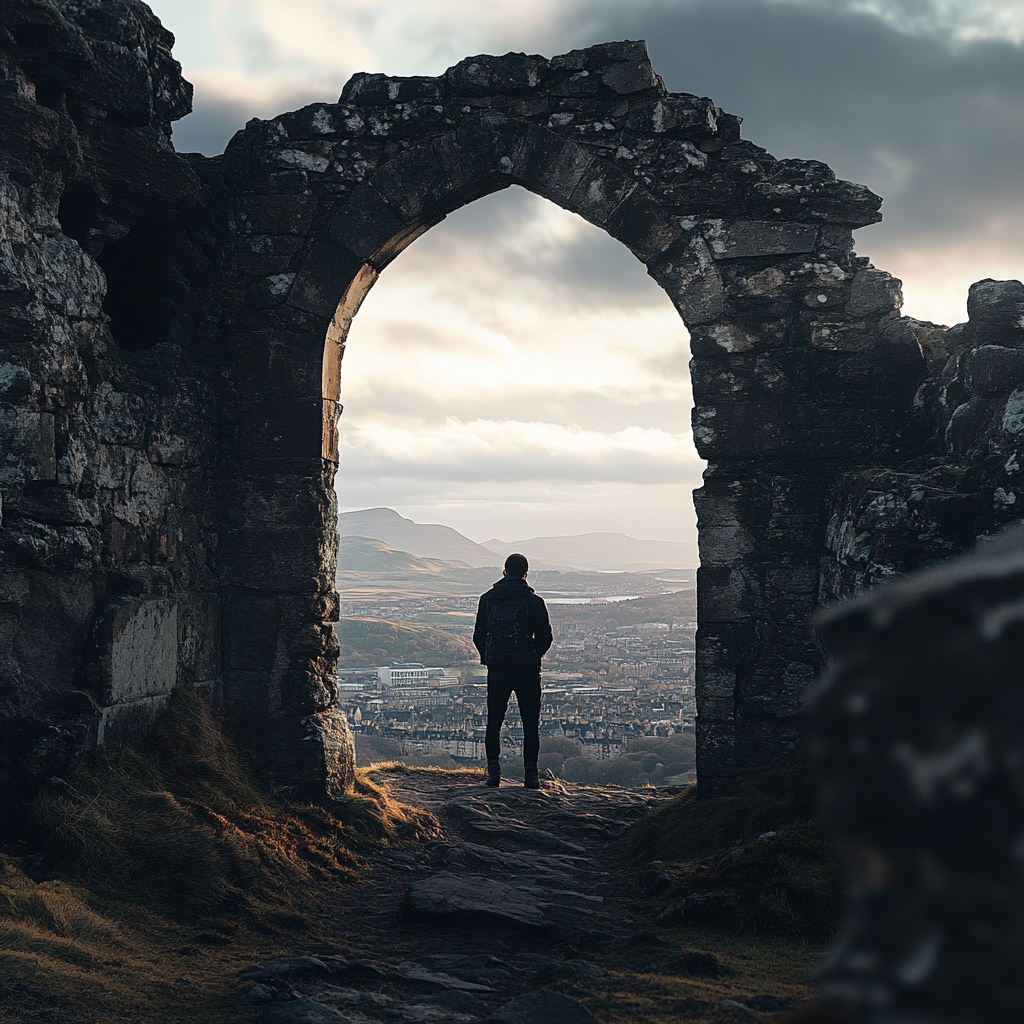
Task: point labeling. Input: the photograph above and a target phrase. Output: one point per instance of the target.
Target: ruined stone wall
(964, 478)
(107, 430)
(173, 329)
(795, 376)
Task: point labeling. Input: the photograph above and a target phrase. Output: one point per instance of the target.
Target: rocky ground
(522, 912)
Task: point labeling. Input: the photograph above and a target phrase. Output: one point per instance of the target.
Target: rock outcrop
(107, 418)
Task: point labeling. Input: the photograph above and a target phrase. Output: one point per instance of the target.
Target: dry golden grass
(180, 872)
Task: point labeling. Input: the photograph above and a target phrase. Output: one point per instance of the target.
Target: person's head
(517, 565)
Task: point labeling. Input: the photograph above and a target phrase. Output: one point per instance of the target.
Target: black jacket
(510, 588)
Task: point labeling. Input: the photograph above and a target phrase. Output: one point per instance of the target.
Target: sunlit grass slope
(161, 873)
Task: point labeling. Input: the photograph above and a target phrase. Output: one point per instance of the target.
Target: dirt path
(522, 912)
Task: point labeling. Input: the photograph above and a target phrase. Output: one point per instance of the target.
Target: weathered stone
(874, 293)
(924, 806)
(140, 650)
(543, 1006)
(758, 238)
(474, 899)
(482, 76)
(629, 78)
(692, 282)
(996, 312)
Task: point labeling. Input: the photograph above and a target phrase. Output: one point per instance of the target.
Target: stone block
(366, 224)
(630, 77)
(995, 310)
(416, 183)
(250, 628)
(480, 158)
(488, 76)
(674, 116)
(965, 433)
(261, 255)
(843, 337)
(725, 545)
(139, 641)
(874, 293)
(324, 277)
(129, 724)
(199, 647)
(690, 278)
(716, 757)
(28, 437)
(599, 193)
(552, 166)
(735, 239)
(280, 428)
(271, 214)
(377, 90)
(731, 593)
(993, 370)
(276, 364)
(286, 560)
(642, 224)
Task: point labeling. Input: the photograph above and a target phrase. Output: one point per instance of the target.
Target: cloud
(492, 307)
(932, 120)
(485, 451)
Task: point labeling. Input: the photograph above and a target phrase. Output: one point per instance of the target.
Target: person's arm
(542, 637)
(480, 631)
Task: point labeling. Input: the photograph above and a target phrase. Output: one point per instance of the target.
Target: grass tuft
(790, 886)
(689, 828)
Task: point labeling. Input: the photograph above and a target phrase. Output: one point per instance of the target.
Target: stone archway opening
(796, 378)
(518, 356)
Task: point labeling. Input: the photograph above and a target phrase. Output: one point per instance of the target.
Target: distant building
(403, 674)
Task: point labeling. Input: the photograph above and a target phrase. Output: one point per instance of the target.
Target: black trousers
(502, 682)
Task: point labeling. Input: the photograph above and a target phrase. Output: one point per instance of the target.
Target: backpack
(509, 636)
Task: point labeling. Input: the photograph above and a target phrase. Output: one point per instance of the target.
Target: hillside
(369, 643)
(602, 552)
(365, 554)
(429, 541)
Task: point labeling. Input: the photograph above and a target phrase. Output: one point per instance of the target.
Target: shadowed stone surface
(920, 736)
(496, 908)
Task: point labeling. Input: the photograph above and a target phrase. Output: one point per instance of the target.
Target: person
(512, 634)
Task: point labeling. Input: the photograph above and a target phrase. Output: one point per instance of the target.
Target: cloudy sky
(515, 372)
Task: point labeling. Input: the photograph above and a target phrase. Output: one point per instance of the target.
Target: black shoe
(531, 779)
(493, 774)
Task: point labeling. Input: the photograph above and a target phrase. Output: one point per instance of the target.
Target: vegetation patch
(160, 873)
(755, 863)
(369, 643)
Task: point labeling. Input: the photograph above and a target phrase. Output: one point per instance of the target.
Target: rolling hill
(429, 541)
(369, 643)
(594, 552)
(365, 554)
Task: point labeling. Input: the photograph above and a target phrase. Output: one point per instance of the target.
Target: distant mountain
(428, 541)
(365, 554)
(602, 552)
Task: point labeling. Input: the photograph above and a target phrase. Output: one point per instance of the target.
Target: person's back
(512, 634)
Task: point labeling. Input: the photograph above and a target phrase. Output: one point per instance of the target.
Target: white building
(404, 674)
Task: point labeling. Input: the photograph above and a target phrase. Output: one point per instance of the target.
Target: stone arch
(796, 379)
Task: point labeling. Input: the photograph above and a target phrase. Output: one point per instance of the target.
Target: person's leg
(498, 692)
(528, 695)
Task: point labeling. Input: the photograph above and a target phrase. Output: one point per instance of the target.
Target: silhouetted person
(512, 634)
